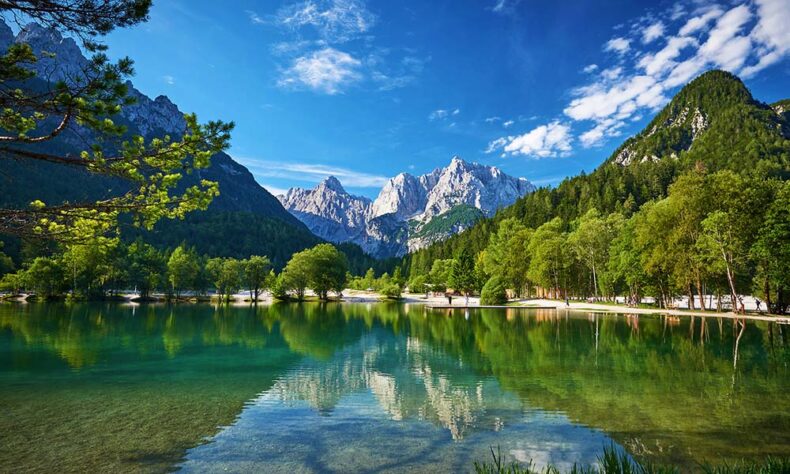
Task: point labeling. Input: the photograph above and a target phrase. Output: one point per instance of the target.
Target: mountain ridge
(740, 134)
(397, 220)
(242, 204)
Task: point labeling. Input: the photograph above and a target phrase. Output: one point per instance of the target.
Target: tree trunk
(690, 296)
(595, 282)
(700, 293)
(733, 293)
(767, 291)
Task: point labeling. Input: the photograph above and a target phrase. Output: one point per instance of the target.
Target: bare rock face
(62, 59)
(329, 211)
(153, 117)
(397, 221)
(485, 187)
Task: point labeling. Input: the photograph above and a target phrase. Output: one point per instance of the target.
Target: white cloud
(275, 190)
(508, 123)
(327, 70)
(443, 114)
(590, 68)
(618, 45)
(663, 60)
(311, 173)
(493, 119)
(319, 27)
(744, 38)
(697, 23)
(169, 80)
(497, 144)
(652, 32)
(505, 6)
(550, 140)
(255, 18)
(334, 20)
(438, 114)
(602, 130)
(772, 33)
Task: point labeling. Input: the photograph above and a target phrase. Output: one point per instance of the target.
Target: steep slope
(329, 211)
(410, 212)
(712, 122)
(714, 119)
(265, 223)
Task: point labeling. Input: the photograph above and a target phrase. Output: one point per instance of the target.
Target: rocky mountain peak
(710, 100)
(68, 62)
(394, 222)
(333, 184)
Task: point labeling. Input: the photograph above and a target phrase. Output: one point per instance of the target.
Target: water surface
(378, 388)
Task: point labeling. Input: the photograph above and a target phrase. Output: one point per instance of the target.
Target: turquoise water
(379, 388)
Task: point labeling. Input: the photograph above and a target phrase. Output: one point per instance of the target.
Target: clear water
(379, 388)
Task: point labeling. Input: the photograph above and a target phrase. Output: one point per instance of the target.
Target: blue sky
(364, 90)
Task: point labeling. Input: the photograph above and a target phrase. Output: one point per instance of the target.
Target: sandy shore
(440, 301)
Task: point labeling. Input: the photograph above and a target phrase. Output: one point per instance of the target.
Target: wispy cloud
(334, 20)
(327, 70)
(277, 191)
(331, 46)
(311, 173)
(654, 56)
(744, 39)
(169, 80)
(505, 6)
(255, 18)
(443, 114)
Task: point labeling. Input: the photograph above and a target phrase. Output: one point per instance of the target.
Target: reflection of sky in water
(390, 404)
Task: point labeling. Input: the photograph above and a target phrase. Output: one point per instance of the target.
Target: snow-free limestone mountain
(410, 212)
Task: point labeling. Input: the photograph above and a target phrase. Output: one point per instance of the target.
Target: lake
(379, 387)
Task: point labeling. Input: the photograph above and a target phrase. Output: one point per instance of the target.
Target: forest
(704, 214)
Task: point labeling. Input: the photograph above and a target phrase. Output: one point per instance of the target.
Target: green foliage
(227, 275)
(461, 216)
(463, 276)
(183, 269)
(419, 284)
(506, 254)
(616, 461)
(322, 268)
(35, 114)
(6, 263)
(391, 290)
(46, 277)
(256, 274)
(684, 220)
(147, 267)
(494, 292)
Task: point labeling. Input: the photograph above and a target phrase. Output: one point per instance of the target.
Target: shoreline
(440, 303)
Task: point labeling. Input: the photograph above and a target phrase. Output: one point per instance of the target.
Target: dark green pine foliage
(460, 216)
(713, 122)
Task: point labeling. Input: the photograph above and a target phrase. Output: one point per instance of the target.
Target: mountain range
(410, 212)
(242, 208)
(713, 123)
(245, 218)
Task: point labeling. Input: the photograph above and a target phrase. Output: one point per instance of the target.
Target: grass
(614, 461)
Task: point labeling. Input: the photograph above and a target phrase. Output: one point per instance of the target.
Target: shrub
(494, 292)
(391, 291)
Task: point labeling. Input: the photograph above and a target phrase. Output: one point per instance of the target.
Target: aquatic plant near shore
(614, 461)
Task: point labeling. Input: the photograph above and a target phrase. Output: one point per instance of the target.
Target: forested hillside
(243, 219)
(715, 136)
